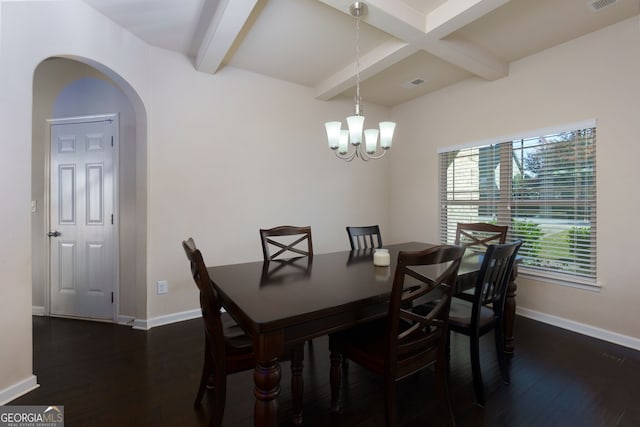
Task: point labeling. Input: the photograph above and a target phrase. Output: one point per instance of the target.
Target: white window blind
(542, 187)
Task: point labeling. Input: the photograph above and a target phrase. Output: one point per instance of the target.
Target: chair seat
(460, 315)
(366, 345)
(234, 336)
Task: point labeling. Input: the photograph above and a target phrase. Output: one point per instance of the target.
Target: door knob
(55, 233)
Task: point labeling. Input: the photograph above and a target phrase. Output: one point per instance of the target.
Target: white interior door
(82, 232)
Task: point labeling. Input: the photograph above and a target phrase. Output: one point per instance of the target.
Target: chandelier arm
(347, 157)
(372, 156)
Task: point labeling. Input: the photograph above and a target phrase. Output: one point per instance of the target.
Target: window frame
(502, 205)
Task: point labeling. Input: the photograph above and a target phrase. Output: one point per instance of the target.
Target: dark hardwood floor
(110, 375)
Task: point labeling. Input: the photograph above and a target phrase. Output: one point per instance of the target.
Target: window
(543, 186)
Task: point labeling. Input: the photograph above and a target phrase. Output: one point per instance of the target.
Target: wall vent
(597, 5)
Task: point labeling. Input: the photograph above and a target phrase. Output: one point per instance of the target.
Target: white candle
(381, 257)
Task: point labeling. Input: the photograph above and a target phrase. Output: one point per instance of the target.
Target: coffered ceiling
(407, 47)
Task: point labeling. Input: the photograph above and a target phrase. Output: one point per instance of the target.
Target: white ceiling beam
(371, 64)
(391, 16)
(453, 15)
(417, 31)
(225, 26)
(469, 57)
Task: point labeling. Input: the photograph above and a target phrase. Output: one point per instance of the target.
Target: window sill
(587, 285)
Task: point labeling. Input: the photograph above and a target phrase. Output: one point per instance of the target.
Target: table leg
(335, 378)
(266, 379)
(297, 357)
(509, 316)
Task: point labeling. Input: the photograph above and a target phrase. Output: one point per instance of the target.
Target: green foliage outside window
(578, 239)
(530, 233)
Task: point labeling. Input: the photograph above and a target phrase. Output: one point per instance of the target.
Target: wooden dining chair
(364, 237)
(288, 241)
(227, 349)
(479, 235)
(404, 342)
(482, 312)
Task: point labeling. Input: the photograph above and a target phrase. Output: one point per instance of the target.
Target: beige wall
(225, 155)
(596, 76)
(235, 152)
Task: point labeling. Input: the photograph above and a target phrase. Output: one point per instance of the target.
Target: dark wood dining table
(282, 304)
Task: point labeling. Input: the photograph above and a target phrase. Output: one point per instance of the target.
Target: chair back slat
(409, 332)
(493, 278)
(287, 247)
(478, 236)
(364, 237)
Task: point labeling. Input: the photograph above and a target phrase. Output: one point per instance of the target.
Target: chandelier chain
(357, 98)
(348, 144)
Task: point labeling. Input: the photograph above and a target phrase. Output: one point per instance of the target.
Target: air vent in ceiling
(597, 5)
(412, 83)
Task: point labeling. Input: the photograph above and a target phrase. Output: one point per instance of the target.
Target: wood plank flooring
(110, 375)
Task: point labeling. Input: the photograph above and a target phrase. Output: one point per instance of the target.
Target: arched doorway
(69, 88)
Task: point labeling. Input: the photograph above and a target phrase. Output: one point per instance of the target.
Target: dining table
(282, 304)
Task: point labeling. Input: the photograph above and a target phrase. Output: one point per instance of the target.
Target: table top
(267, 296)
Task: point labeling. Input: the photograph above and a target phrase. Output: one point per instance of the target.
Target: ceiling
(313, 42)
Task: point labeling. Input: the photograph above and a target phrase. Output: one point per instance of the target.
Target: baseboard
(125, 320)
(581, 328)
(37, 311)
(166, 319)
(18, 389)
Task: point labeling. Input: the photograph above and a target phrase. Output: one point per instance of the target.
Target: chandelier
(339, 139)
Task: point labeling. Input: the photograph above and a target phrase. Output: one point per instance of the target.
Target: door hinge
(111, 297)
(112, 140)
(111, 219)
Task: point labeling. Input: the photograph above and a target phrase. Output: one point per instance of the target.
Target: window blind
(542, 187)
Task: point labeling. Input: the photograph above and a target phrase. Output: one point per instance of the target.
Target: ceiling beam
(391, 16)
(449, 18)
(452, 16)
(226, 24)
(371, 64)
(416, 31)
(468, 57)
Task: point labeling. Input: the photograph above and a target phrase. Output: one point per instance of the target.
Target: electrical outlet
(162, 287)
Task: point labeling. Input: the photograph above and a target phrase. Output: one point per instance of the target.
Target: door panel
(82, 204)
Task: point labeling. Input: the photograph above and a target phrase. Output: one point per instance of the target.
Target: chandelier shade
(347, 144)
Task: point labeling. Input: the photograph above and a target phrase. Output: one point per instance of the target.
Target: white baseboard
(18, 389)
(166, 319)
(581, 328)
(37, 310)
(125, 320)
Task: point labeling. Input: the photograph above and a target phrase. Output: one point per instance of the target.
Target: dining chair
(227, 349)
(404, 342)
(288, 241)
(364, 237)
(479, 235)
(482, 312)
(289, 244)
